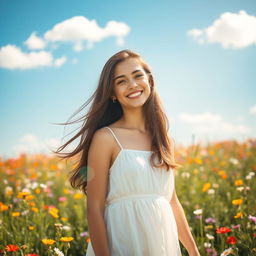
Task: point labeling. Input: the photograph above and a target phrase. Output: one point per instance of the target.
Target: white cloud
(231, 30)
(34, 42)
(59, 62)
(11, 57)
(78, 29)
(31, 144)
(208, 123)
(253, 109)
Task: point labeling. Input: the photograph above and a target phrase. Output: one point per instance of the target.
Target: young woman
(127, 165)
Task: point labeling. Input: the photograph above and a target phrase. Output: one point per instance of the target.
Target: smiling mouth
(135, 95)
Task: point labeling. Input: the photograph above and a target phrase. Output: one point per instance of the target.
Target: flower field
(42, 215)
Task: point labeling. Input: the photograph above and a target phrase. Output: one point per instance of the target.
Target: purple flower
(253, 218)
(211, 252)
(84, 234)
(210, 220)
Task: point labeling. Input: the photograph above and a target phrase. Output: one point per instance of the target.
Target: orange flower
(37, 190)
(64, 219)
(34, 209)
(238, 215)
(238, 182)
(223, 230)
(15, 214)
(31, 227)
(29, 197)
(22, 194)
(237, 201)
(12, 248)
(3, 207)
(206, 187)
(78, 196)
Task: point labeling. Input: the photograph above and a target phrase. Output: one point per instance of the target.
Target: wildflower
(206, 187)
(210, 220)
(198, 211)
(12, 248)
(207, 245)
(3, 207)
(15, 214)
(238, 182)
(31, 227)
(66, 239)
(77, 195)
(237, 201)
(47, 241)
(235, 226)
(240, 188)
(253, 218)
(211, 191)
(185, 175)
(54, 212)
(227, 252)
(66, 228)
(8, 191)
(211, 252)
(64, 219)
(238, 215)
(58, 252)
(62, 199)
(222, 230)
(84, 234)
(210, 237)
(231, 240)
(34, 209)
(32, 254)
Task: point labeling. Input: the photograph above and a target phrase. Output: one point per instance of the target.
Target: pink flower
(62, 199)
(253, 218)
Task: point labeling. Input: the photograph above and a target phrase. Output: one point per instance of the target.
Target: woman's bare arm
(184, 232)
(99, 156)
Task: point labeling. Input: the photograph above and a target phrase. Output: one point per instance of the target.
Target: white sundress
(138, 216)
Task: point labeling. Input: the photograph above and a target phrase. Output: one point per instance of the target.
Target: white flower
(43, 185)
(66, 228)
(211, 191)
(58, 252)
(198, 212)
(210, 237)
(233, 161)
(240, 188)
(227, 252)
(251, 173)
(207, 245)
(185, 175)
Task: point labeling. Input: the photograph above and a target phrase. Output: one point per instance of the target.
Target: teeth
(134, 94)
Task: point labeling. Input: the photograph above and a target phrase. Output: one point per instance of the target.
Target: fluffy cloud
(34, 42)
(208, 123)
(31, 144)
(253, 109)
(231, 30)
(11, 57)
(78, 29)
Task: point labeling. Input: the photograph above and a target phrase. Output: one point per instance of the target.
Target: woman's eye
(120, 82)
(139, 75)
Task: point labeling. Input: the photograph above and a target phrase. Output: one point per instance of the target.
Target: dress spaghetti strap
(115, 137)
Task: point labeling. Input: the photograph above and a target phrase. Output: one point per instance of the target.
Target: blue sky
(202, 55)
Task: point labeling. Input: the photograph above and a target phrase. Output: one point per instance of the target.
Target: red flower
(231, 240)
(12, 248)
(32, 254)
(223, 230)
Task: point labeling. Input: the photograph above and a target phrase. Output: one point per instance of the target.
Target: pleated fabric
(138, 216)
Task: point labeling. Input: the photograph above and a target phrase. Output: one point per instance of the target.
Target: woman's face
(131, 84)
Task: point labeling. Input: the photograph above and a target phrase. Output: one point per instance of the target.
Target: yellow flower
(206, 187)
(54, 212)
(238, 215)
(66, 191)
(198, 160)
(48, 241)
(15, 214)
(237, 201)
(37, 190)
(238, 182)
(64, 219)
(22, 194)
(78, 196)
(66, 239)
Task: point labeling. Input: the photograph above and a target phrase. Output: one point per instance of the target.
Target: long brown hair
(104, 112)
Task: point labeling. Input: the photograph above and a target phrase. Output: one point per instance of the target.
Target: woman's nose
(132, 83)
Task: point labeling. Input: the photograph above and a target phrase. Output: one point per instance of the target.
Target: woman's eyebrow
(133, 72)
